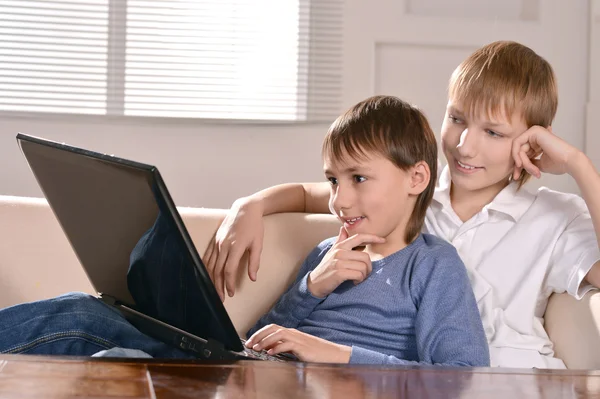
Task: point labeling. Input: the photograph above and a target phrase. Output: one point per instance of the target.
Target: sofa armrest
(36, 260)
(574, 328)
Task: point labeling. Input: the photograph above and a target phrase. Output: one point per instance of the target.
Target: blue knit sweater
(416, 307)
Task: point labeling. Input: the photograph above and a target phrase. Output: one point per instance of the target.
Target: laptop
(131, 241)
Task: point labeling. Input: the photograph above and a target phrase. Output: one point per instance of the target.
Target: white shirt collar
(510, 201)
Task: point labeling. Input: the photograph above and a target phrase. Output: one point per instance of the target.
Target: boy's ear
(419, 178)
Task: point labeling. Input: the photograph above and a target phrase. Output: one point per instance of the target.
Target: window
(217, 59)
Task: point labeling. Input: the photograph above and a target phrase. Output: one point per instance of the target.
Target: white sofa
(37, 262)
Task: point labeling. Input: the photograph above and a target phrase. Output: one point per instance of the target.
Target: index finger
(529, 166)
(231, 267)
(360, 239)
(516, 147)
(259, 335)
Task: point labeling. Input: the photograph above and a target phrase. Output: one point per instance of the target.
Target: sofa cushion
(574, 328)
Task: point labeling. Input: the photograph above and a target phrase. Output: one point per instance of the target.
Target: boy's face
(478, 148)
(370, 195)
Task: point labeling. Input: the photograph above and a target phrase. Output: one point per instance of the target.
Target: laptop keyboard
(263, 355)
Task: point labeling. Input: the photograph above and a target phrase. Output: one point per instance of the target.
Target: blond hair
(506, 79)
(394, 129)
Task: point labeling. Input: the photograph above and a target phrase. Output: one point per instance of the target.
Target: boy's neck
(380, 251)
(394, 243)
(468, 203)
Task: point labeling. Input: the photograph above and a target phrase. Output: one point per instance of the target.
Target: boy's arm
(588, 180)
(448, 326)
(242, 228)
(559, 157)
(294, 197)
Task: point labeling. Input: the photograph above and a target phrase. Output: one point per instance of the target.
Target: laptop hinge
(204, 348)
(107, 299)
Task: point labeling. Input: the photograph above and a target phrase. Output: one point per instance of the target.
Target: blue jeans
(161, 279)
(74, 324)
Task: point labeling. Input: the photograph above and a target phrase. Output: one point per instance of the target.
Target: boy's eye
(359, 179)
(454, 119)
(332, 180)
(492, 133)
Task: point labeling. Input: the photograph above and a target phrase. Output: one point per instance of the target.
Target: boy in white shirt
(519, 247)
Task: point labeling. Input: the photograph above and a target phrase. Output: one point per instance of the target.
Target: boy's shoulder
(436, 259)
(433, 259)
(552, 200)
(322, 248)
(435, 249)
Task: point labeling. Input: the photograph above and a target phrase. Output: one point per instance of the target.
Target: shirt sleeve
(297, 303)
(448, 326)
(574, 254)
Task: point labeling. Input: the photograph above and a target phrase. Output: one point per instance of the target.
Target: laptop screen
(124, 228)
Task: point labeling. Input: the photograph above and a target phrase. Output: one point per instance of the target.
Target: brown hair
(395, 129)
(503, 78)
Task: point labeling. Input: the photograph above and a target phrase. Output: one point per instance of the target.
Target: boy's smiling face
(478, 148)
(370, 195)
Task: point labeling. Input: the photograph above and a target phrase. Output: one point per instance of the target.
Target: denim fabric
(74, 324)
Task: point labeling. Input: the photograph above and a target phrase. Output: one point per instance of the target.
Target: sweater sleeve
(448, 326)
(297, 303)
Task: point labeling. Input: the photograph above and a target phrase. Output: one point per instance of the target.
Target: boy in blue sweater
(380, 292)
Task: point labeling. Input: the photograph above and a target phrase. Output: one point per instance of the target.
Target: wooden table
(51, 377)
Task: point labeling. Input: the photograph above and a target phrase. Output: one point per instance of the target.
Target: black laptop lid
(127, 234)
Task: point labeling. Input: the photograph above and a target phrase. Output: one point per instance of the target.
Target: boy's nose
(342, 198)
(467, 146)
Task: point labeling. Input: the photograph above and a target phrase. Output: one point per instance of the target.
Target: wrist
(345, 352)
(310, 286)
(579, 166)
(250, 203)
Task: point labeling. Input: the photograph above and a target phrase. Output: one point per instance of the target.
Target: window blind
(228, 59)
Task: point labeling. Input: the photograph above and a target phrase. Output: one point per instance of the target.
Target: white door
(410, 48)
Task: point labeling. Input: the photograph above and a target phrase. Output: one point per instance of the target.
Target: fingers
(342, 235)
(360, 239)
(354, 271)
(210, 255)
(529, 166)
(276, 336)
(516, 148)
(208, 259)
(524, 149)
(218, 270)
(516, 172)
(283, 347)
(275, 339)
(231, 266)
(261, 334)
(254, 258)
(353, 256)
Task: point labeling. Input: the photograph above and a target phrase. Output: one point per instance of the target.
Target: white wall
(390, 46)
(203, 165)
(592, 144)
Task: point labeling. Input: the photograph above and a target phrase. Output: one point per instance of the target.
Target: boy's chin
(485, 181)
(357, 230)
